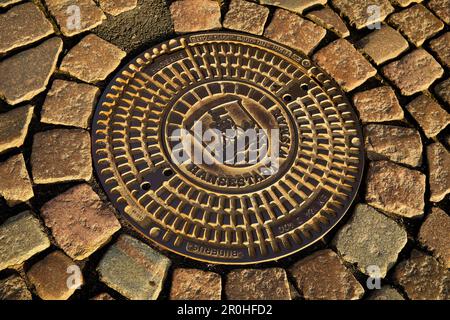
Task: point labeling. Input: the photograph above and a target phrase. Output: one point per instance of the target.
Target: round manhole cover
(227, 148)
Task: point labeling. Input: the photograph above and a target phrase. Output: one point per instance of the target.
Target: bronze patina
(229, 212)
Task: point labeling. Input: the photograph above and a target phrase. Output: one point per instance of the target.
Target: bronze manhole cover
(227, 148)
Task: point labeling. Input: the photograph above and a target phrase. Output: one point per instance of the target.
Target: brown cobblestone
(346, 65)
(79, 221)
(291, 30)
(414, 72)
(133, 269)
(439, 165)
(65, 13)
(322, 276)
(116, 7)
(423, 278)
(385, 293)
(61, 155)
(92, 59)
(383, 44)
(293, 5)
(257, 284)
(398, 144)
(429, 114)
(22, 25)
(21, 237)
(14, 127)
(441, 46)
(395, 189)
(441, 8)
(195, 15)
(14, 288)
(16, 85)
(417, 23)
(15, 183)
(378, 105)
(194, 284)
(69, 103)
(246, 16)
(330, 20)
(50, 277)
(404, 3)
(434, 234)
(443, 90)
(358, 11)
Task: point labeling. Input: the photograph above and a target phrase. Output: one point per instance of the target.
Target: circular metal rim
(136, 228)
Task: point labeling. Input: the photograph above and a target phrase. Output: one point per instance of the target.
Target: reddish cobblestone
(254, 284)
(79, 221)
(294, 31)
(330, 20)
(414, 72)
(322, 276)
(92, 59)
(193, 284)
(398, 144)
(69, 103)
(429, 114)
(423, 278)
(195, 15)
(378, 105)
(417, 23)
(434, 235)
(395, 189)
(50, 277)
(345, 64)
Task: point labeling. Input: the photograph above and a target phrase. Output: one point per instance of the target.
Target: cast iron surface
(220, 212)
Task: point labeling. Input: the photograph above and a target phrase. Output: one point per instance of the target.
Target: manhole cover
(227, 148)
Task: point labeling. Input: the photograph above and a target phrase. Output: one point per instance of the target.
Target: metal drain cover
(156, 149)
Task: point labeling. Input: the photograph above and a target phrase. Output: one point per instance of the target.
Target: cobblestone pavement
(55, 217)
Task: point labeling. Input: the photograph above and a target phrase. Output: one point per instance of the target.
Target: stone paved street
(54, 215)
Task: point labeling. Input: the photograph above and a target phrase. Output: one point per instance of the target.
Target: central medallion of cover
(227, 148)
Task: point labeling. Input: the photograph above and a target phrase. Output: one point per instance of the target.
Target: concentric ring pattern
(227, 213)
